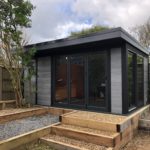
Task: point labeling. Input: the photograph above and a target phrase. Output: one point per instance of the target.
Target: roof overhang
(95, 37)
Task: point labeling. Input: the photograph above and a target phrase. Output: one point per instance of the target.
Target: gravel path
(17, 127)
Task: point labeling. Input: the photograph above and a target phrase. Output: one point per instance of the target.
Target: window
(140, 82)
(135, 80)
(77, 80)
(61, 94)
(97, 79)
(131, 80)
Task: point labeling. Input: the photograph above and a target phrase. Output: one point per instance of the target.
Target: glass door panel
(61, 88)
(140, 81)
(97, 79)
(77, 66)
(131, 80)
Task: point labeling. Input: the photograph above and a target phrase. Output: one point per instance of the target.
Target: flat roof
(94, 37)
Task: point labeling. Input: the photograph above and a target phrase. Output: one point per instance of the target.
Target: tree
(142, 33)
(14, 17)
(84, 32)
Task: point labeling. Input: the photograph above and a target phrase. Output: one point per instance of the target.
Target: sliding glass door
(131, 80)
(140, 81)
(77, 69)
(97, 80)
(61, 77)
(135, 80)
(80, 80)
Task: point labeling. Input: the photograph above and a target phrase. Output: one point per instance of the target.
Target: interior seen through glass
(61, 88)
(140, 80)
(135, 80)
(77, 80)
(81, 80)
(96, 80)
(131, 80)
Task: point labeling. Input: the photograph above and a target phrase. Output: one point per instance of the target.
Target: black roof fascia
(95, 37)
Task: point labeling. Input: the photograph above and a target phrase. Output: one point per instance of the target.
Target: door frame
(84, 107)
(136, 101)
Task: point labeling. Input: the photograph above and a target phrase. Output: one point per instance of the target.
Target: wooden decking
(106, 130)
(98, 116)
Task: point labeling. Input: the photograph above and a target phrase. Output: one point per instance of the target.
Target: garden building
(105, 72)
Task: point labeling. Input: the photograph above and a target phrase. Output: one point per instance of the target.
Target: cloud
(64, 30)
(123, 13)
(57, 18)
(46, 18)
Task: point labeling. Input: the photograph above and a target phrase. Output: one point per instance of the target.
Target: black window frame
(108, 84)
(135, 55)
(138, 104)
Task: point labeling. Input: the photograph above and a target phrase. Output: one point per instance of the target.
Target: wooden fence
(6, 89)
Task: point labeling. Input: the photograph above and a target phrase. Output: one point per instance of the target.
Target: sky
(55, 19)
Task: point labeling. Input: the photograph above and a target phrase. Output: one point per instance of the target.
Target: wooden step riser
(59, 145)
(89, 123)
(125, 137)
(87, 137)
(24, 114)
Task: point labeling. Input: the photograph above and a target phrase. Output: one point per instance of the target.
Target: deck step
(99, 125)
(99, 121)
(104, 138)
(64, 143)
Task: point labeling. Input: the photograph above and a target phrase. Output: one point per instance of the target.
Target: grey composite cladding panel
(44, 81)
(145, 80)
(116, 81)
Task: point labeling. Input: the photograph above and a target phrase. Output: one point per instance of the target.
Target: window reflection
(61, 95)
(97, 78)
(131, 80)
(77, 80)
(140, 77)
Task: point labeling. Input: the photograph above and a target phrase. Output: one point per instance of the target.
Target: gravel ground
(146, 115)
(35, 146)
(81, 144)
(17, 127)
(140, 142)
